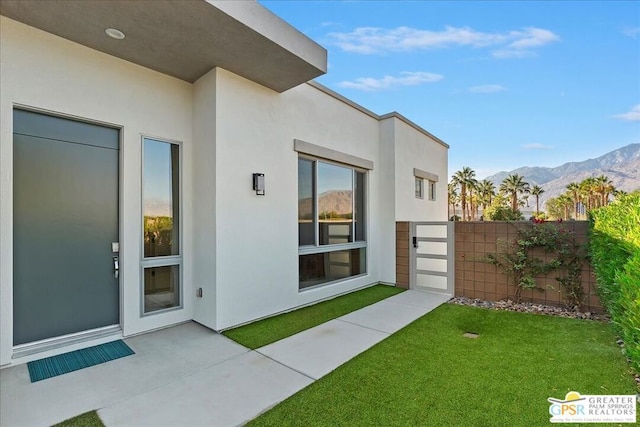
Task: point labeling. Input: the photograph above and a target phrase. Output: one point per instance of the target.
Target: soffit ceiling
(183, 39)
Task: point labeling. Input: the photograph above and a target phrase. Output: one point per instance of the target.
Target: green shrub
(615, 255)
(502, 213)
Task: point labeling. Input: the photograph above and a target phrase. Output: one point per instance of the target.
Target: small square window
(161, 288)
(419, 188)
(432, 190)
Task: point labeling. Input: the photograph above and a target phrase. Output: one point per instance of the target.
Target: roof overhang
(184, 39)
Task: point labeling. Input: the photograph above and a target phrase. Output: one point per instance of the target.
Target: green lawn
(275, 328)
(428, 374)
(88, 419)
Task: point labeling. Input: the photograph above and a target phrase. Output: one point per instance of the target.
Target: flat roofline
(392, 115)
(417, 127)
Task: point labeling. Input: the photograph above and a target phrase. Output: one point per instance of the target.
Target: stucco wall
(46, 72)
(416, 150)
(204, 204)
(257, 236)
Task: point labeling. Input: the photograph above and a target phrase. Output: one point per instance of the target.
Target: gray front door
(65, 218)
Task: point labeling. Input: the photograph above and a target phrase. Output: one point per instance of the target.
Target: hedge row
(615, 256)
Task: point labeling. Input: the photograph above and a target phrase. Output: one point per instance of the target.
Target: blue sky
(505, 83)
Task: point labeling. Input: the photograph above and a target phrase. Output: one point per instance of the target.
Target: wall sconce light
(258, 183)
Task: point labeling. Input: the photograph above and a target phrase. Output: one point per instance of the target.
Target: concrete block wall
(402, 254)
(475, 278)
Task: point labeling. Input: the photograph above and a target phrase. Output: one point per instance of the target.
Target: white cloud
(532, 37)
(370, 40)
(537, 146)
(631, 116)
(524, 41)
(487, 89)
(632, 32)
(406, 78)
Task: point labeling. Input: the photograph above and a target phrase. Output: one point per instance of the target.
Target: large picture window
(331, 221)
(162, 258)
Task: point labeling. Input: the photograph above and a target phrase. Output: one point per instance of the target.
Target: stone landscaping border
(527, 307)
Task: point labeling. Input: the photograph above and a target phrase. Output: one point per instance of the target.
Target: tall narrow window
(161, 225)
(359, 205)
(306, 203)
(432, 190)
(331, 222)
(335, 204)
(419, 188)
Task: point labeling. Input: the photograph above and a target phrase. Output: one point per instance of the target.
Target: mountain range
(621, 166)
(338, 201)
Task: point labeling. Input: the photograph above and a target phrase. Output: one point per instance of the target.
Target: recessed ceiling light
(113, 33)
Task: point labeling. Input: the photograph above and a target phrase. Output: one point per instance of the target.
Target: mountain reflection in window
(161, 198)
(335, 204)
(306, 203)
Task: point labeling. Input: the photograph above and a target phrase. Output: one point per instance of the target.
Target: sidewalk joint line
(365, 327)
(287, 366)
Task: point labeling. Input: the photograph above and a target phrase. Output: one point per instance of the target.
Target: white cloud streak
(631, 116)
(631, 32)
(375, 40)
(405, 78)
(537, 146)
(487, 89)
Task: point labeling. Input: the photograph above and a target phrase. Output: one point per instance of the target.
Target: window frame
(431, 179)
(318, 248)
(167, 260)
(419, 194)
(432, 190)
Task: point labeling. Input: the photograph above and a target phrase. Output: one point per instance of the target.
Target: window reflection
(161, 288)
(316, 269)
(331, 211)
(306, 203)
(161, 198)
(360, 212)
(335, 204)
(419, 191)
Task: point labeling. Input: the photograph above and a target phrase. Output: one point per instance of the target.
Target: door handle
(116, 267)
(415, 242)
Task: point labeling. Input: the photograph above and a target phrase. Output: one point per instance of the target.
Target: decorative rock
(526, 307)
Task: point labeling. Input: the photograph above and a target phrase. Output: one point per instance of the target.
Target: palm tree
(573, 189)
(514, 185)
(453, 198)
(619, 193)
(566, 201)
(588, 192)
(472, 186)
(486, 190)
(536, 190)
(463, 178)
(605, 187)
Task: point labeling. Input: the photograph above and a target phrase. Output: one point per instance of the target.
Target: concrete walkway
(188, 375)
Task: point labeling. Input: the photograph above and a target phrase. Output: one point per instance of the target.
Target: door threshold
(64, 343)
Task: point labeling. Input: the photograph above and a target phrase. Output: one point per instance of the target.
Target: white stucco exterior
(257, 237)
(42, 71)
(415, 150)
(240, 248)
